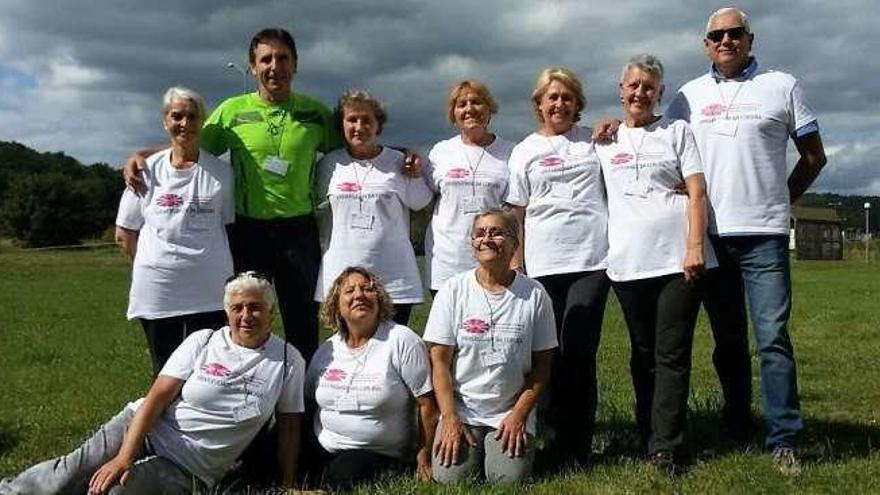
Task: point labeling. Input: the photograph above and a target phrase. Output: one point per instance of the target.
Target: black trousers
(725, 303)
(578, 306)
(401, 313)
(164, 335)
(287, 251)
(660, 313)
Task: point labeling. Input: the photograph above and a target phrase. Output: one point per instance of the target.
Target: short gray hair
(362, 97)
(743, 17)
(646, 62)
(181, 93)
(508, 219)
(247, 281)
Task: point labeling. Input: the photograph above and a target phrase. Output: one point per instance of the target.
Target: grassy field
(71, 360)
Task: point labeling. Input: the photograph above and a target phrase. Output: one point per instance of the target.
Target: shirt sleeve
(332, 137)
(227, 209)
(130, 214)
(518, 189)
(291, 400)
(679, 108)
(544, 336)
(430, 167)
(183, 360)
(802, 113)
(411, 359)
(440, 327)
(213, 135)
(687, 151)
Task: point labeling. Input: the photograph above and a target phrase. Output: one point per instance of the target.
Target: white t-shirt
(494, 336)
(183, 258)
(647, 219)
(469, 179)
(559, 182)
(368, 221)
(742, 128)
(366, 397)
(229, 393)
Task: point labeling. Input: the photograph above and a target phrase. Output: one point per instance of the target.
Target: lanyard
(727, 104)
(278, 123)
(473, 168)
(558, 151)
(360, 182)
(636, 150)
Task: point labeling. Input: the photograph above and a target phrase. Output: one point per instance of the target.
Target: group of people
(524, 244)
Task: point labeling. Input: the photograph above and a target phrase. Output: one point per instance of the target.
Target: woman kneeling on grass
(492, 336)
(367, 380)
(209, 401)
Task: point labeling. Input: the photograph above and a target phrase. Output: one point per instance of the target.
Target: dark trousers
(346, 469)
(287, 251)
(164, 335)
(660, 314)
(401, 313)
(578, 306)
(724, 300)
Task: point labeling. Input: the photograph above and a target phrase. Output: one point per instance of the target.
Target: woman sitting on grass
(211, 398)
(367, 381)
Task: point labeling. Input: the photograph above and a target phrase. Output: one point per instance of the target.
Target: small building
(817, 233)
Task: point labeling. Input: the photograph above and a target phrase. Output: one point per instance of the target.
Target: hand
(451, 432)
(605, 130)
(512, 434)
(412, 165)
(423, 465)
(694, 265)
(680, 188)
(132, 173)
(106, 476)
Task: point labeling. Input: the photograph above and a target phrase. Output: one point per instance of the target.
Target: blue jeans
(762, 263)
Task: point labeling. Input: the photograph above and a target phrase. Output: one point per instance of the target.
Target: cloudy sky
(86, 76)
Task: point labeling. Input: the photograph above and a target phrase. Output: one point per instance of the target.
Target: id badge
(724, 128)
(245, 412)
(472, 205)
(345, 403)
(362, 221)
(636, 188)
(276, 165)
(491, 357)
(200, 219)
(562, 190)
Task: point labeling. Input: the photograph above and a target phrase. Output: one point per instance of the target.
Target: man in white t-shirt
(742, 119)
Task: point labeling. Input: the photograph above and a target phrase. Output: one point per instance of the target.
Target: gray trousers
(71, 473)
(497, 466)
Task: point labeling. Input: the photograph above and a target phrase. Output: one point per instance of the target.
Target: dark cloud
(85, 77)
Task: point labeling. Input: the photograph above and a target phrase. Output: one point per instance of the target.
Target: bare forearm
(289, 441)
(696, 221)
(161, 394)
(536, 379)
(802, 178)
(441, 360)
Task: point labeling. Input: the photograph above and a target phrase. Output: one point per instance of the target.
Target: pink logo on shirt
(215, 369)
(457, 173)
(334, 375)
(713, 109)
(475, 325)
(169, 200)
(348, 187)
(621, 158)
(552, 161)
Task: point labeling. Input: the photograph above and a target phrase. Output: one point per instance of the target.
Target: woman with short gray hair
(175, 234)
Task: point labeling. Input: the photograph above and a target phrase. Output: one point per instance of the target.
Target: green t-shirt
(273, 149)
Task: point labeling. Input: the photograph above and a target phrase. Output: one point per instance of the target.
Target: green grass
(71, 360)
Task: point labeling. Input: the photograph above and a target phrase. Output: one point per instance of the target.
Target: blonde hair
(473, 85)
(568, 79)
(361, 97)
(330, 314)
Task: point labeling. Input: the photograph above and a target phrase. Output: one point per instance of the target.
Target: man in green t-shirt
(273, 137)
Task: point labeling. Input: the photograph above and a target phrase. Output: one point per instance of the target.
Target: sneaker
(786, 461)
(664, 461)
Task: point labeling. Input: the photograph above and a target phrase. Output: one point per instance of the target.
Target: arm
(605, 129)
(289, 442)
(694, 264)
(812, 159)
(512, 431)
(518, 260)
(131, 169)
(163, 391)
(126, 239)
(427, 425)
(451, 430)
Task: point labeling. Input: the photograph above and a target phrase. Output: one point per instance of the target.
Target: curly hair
(330, 314)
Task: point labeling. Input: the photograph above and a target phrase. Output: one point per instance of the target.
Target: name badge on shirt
(245, 412)
(492, 357)
(362, 221)
(724, 127)
(276, 165)
(199, 219)
(562, 190)
(636, 188)
(472, 204)
(345, 403)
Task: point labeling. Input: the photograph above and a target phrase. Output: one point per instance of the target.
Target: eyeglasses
(734, 33)
(494, 234)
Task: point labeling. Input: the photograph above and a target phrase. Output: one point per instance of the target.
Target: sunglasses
(735, 33)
